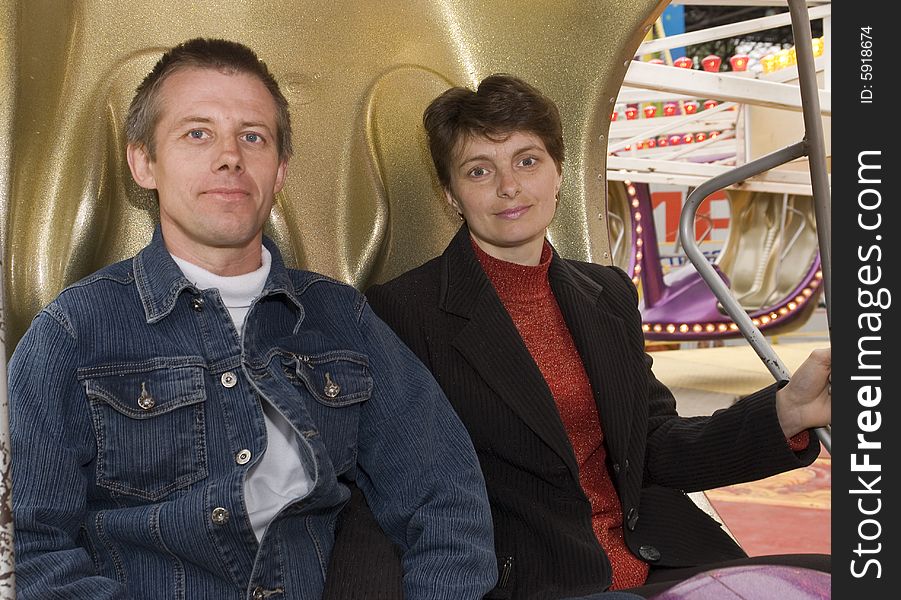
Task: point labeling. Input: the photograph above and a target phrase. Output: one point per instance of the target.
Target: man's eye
(196, 134)
(253, 138)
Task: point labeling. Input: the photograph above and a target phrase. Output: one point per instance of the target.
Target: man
(184, 423)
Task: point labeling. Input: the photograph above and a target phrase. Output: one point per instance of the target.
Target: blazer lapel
(600, 338)
(493, 347)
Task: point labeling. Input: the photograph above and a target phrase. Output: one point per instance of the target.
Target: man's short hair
(203, 53)
(502, 104)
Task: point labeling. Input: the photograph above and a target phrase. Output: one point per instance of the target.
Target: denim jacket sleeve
(421, 477)
(51, 443)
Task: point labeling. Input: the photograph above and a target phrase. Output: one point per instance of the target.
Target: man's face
(217, 166)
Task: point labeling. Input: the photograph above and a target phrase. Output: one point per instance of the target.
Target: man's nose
(229, 155)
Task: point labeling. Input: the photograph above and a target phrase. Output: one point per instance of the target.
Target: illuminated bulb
(687, 138)
(683, 328)
(733, 327)
(669, 109)
(650, 111)
(670, 328)
(652, 143)
(646, 327)
(691, 107)
(709, 327)
(631, 112)
(696, 328)
(818, 46)
(722, 327)
(656, 61)
(638, 229)
(711, 63)
(683, 62)
(639, 145)
(627, 148)
(631, 190)
(756, 322)
(700, 136)
(658, 327)
(708, 104)
(613, 116)
(782, 59)
(661, 141)
(675, 139)
(768, 63)
(739, 62)
(638, 216)
(792, 306)
(639, 242)
(714, 134)
(765, 319)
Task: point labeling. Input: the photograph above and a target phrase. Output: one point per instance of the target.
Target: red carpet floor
(788, 513)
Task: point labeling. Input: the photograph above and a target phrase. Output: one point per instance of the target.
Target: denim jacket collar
(160, 281)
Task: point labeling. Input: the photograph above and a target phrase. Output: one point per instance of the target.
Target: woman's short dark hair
(502, 104)
(202, 53)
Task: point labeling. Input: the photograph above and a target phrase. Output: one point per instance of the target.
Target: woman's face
(507, 192)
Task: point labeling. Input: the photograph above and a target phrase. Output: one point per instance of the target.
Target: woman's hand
(806, 401)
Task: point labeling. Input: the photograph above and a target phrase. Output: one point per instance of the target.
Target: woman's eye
(477, 172)
(528, 161)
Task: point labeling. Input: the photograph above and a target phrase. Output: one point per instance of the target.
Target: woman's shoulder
(413, 287)
(602, 274)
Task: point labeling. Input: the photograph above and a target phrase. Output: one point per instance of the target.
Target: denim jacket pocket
(149, 426)
(338, 381)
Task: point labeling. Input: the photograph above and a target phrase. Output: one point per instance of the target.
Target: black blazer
(447, 311)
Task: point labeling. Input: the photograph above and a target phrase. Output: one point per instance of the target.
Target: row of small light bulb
(672, 140)
(689, 107)
(779, 314)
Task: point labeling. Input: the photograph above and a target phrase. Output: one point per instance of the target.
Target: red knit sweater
(526, 294)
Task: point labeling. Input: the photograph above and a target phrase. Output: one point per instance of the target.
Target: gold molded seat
(360, 202)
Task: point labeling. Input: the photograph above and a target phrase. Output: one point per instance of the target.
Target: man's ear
(280, 176)
(141, 166)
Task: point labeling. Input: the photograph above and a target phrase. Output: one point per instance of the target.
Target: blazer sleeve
(743, 442)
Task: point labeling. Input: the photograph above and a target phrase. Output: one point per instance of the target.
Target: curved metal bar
(717, 285)
(816, 154)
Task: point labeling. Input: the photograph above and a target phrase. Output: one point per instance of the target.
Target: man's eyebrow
(201, 119)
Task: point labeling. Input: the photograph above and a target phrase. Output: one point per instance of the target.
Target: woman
(585, 458)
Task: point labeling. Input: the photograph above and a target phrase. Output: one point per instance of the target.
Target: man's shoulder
(116, 275)
(311, 286)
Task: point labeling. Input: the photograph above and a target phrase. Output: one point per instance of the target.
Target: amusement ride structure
(678, 123)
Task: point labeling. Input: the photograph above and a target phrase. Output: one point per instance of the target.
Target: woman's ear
(449, 196)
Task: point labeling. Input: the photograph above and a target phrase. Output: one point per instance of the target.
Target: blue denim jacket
(135, 416)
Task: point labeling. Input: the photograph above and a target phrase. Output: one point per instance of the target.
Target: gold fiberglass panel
(361, 202)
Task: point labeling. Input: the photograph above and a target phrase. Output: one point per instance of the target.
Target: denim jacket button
(258, 593)
(243, 456)
(229, 379)
(219, 516)
(197, 304)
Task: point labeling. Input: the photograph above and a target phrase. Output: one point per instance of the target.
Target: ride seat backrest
(361, 203)
(768, 252)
